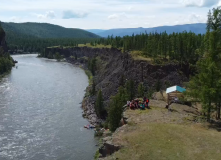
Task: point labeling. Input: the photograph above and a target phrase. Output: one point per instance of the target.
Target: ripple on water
(40, 115)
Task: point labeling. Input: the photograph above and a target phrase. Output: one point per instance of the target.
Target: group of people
(136, 104)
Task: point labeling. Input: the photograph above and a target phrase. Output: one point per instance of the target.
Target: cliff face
(2, 40)
(113, 65)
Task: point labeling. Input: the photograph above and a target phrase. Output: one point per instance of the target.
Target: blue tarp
(175, 88)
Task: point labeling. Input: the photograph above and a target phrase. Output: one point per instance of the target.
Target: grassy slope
(158, 134)
(44, 30)
(170, 141)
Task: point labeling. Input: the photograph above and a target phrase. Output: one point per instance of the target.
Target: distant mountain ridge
(44, 30)
(198, 28)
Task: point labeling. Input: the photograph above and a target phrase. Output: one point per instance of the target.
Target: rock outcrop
(108, 148)
(113, 65)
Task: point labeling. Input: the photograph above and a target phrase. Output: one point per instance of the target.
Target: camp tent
(175, 91)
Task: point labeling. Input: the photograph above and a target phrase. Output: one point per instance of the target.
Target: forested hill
(44, 30)
(198, 28)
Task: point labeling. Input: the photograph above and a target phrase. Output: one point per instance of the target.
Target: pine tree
(99, 106)
(205, 86)
(116, 109)
(130, 89)
(93, 89)
(141, 90)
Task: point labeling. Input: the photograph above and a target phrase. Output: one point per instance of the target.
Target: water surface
(40, 114)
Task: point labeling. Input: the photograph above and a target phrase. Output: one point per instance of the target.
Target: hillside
(198, 28)
(44, 30)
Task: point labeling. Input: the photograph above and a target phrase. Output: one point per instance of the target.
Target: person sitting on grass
(147, 103)
(142, 106)
(132, 105)
(137, 104)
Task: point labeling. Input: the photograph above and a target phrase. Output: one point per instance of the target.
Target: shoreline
(88, 101)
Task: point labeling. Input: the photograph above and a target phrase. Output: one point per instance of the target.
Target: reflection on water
(40, 114)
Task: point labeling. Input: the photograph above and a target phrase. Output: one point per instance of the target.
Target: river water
(40, 112)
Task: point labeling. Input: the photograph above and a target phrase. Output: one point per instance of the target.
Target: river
(40, 112)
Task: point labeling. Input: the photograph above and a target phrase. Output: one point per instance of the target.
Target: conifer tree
(93, 89)
(99, 106)
(205, 86)
(130, 89)
(116, 109)
(141, 90)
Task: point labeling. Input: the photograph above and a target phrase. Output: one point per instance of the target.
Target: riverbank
(157, 133)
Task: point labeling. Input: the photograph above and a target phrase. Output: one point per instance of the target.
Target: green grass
(97, 46)
(170, 142)
(90, 76)
(138, 55)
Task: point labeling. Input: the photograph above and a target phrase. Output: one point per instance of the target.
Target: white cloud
(113, 16)
(195, 18)
(13, 19)
(200, 3)
(70, 14)
(119, 16)
(48, 14)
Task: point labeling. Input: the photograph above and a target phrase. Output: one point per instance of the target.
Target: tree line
(185, 47)
(32, 44)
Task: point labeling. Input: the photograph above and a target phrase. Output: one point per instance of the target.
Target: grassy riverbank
(159, 134)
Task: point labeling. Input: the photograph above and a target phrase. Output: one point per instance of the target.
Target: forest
(185, 47)
(34, 37)
(6, 62)
(30, 44)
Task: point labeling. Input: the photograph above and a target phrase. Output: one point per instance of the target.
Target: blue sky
(106, 14)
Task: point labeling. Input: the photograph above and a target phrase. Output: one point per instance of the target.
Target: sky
(107, 14)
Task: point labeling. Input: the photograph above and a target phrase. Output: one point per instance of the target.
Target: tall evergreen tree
(116, 109)
(99, 106)
(205, 86)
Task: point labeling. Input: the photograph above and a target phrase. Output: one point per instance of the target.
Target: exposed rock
(158, 96)
(89, 111)
(114, 65)
(108, 148)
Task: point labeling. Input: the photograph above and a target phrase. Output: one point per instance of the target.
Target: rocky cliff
(113, 65)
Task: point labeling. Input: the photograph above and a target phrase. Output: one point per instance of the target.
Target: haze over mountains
(198, 28)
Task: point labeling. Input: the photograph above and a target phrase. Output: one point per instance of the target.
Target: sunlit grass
(170, 142)
(138, 55)
(97, 46)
